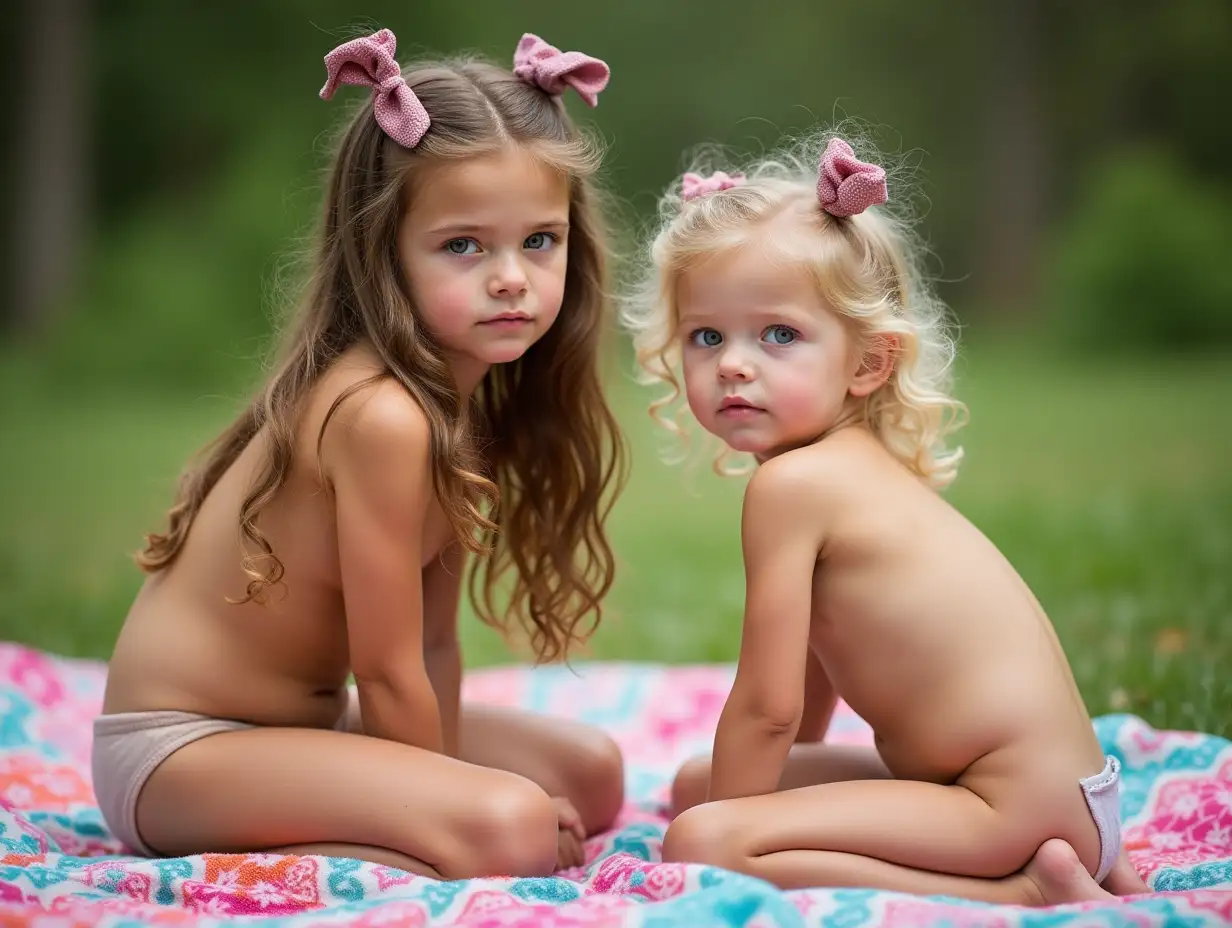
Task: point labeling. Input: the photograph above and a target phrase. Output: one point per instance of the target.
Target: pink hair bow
(693, 185)
(369, 62)
(847, 186)
(551, 70)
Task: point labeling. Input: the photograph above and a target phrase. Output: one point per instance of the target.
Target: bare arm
(820, 700)
(442, 654)
(764, 710)
(382, 484)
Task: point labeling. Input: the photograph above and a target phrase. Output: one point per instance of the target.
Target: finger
(577, 854)
(568, 852)
(569, 818)
(577, 829)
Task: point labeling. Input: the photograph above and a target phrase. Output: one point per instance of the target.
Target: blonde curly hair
(867, 268)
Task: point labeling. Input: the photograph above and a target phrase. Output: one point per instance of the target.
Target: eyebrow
(762, 314)
(470, 227)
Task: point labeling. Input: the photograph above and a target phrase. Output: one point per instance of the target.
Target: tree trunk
(49, 183)
(1016, 192)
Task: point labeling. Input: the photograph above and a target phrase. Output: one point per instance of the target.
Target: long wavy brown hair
(527, 471)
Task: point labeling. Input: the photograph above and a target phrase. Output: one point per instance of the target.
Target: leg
(374, 855)
(916, 825)
(1123, 879)
(1053, 876)
(566, 759)
(281, 788)
(807, 765)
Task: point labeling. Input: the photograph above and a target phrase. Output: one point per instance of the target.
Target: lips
(737, 407)
(513, 316)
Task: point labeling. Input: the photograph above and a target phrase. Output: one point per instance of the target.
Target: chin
(747, 444)
(504, 354)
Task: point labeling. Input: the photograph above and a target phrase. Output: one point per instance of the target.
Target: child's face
(767, 366)
(484, 247)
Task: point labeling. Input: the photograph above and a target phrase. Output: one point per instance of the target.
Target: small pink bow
(551, 70)
(693, 185)
(369, 62)
(845, 185)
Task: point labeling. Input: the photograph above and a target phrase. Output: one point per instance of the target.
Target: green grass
(1106, 484)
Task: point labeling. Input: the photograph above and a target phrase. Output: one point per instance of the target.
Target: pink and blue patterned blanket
(61, 867)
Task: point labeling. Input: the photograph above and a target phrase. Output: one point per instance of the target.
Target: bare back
(915, 619)
(863, 583)
(926, 630)
(284, 662)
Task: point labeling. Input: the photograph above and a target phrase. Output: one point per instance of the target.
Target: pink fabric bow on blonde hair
(693, 185)
(846, 185)
(551, 70)
(369, 62)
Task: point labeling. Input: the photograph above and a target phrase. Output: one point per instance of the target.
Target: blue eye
(462, 246)
(706, 338)
(780, 335)
(540, 241)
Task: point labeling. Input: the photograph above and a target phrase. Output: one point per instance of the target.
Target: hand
(569, 845)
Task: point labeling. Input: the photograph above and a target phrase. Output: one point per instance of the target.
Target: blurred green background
(162, 162)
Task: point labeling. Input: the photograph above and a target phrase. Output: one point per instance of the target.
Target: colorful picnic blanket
(61, 867)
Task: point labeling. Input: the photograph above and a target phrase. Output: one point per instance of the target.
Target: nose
(734, 365)
(508, 278)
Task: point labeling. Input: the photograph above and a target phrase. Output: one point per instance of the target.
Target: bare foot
(1123, 879)
(1059, 876)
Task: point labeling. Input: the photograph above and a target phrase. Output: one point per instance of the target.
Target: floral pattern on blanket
(59, 865)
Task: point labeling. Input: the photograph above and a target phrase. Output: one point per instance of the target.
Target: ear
(876, 366)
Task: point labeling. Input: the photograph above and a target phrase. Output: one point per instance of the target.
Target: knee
(703, 834)
(690, 786)
(597, 780)
(512, 832)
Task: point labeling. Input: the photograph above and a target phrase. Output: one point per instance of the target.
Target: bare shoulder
(808, 481)
(377, 426)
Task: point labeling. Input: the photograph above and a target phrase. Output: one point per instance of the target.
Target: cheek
(799, 386)
(695, 370)
(444, 297)
(699, 384)
(549, 283)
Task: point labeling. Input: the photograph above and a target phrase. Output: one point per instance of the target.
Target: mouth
(510, 318)
(736, 407)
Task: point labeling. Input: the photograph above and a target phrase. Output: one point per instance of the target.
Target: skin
(419, 781)
(862, 582)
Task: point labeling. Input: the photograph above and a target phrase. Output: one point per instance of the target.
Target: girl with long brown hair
(437, 399)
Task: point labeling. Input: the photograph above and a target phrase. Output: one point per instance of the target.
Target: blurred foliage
(1072, 160)
(1124, 533)
(1140, 262)
(184, 291)
(208, 139)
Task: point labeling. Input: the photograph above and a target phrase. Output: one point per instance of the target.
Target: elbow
(778, 723)
(402, 671)
(444, 651)
(774, 717)
(382, 678)
(409, 691)
(400, 709)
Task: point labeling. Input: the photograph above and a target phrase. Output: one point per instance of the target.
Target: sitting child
(806, 336)
(457, 286)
